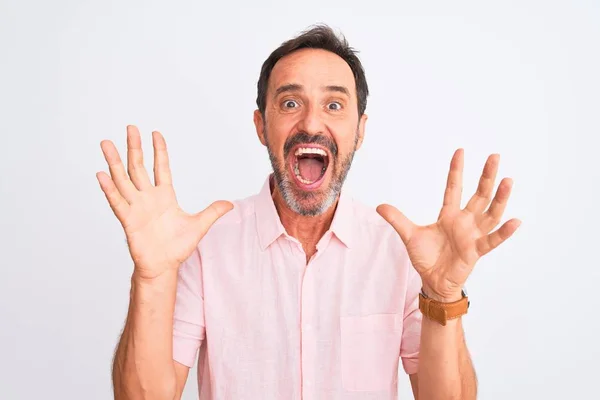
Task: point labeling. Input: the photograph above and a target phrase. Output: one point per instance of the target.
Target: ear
(259, 123)
(361, 130)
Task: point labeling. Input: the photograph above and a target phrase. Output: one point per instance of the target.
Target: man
(299, 292)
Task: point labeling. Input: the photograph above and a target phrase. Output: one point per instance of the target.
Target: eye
(334, 106)
(290, 104)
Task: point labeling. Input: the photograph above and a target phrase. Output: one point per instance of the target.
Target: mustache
(303, 137)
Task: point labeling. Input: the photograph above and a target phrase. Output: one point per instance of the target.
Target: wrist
(163, 283)
(449, 297)
(145, 275)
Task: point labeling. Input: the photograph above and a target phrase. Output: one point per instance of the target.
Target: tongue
(310, 168)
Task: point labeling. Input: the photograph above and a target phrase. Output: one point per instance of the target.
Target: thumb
(207, 217)
(401, 224)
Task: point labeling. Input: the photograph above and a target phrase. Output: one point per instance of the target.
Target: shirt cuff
(186, 343)
(185, 351)
(411, 365)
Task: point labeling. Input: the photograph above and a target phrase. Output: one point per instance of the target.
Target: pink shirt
(269, 326)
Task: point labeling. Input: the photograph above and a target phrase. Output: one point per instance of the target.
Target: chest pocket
(370, 351)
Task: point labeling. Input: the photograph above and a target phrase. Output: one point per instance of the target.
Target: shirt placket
(308, 331)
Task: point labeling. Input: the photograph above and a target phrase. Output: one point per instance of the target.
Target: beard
(310, 203)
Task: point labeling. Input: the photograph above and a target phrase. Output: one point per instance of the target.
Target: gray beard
(293, 198)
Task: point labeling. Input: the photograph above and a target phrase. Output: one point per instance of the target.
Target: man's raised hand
(445, 252)
(159, 233)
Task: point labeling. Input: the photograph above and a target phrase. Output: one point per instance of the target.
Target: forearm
(143, 367)
(445, 368)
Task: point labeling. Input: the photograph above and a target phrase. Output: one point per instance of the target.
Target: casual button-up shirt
(265, 324)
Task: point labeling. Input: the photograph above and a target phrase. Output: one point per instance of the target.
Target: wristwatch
(443, 312)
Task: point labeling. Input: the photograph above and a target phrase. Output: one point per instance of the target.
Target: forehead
(312, 68)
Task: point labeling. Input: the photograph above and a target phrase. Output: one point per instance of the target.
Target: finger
(489, 242)
(493, 216)
(117, 171)
(483, 195)
(399, 222)
(454, 184)
(162, 171)
(135, 159)
(207, 217)
(118, 204)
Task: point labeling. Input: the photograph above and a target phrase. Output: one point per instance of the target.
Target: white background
(520, 78)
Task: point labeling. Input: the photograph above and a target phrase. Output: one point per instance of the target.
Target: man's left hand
(445, 252)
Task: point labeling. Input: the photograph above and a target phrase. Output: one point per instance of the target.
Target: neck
(308, 230)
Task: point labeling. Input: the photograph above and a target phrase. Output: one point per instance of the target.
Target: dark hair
(317, 37)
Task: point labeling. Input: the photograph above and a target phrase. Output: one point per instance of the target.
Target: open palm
(159, 233)
(445, 252)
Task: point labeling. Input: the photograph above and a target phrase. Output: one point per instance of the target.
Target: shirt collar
(341, 225)
(269, 225)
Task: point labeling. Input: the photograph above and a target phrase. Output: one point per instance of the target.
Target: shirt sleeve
(188, 321)
(411, 331)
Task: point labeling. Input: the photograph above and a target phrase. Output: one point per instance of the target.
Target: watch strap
(443, 312)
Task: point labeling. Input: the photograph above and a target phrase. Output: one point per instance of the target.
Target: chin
(307, 203)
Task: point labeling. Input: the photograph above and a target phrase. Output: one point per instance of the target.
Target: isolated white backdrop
(516, 77)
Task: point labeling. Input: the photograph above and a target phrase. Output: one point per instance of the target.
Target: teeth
(304, 180)
(310, 150)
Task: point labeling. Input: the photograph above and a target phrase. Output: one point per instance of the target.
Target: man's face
(311, 128)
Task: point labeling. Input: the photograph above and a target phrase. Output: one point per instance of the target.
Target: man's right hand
(160, 235)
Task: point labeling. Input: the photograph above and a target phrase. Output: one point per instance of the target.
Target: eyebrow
(290, 87)
(339, 89)
(294, 87)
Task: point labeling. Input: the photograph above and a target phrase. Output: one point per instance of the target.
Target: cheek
(345, 142)
(277, 131)
(281, 122)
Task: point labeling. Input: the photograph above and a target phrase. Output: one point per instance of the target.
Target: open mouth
(309, 165)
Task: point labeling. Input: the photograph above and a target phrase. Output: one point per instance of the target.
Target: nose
(311, 121)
